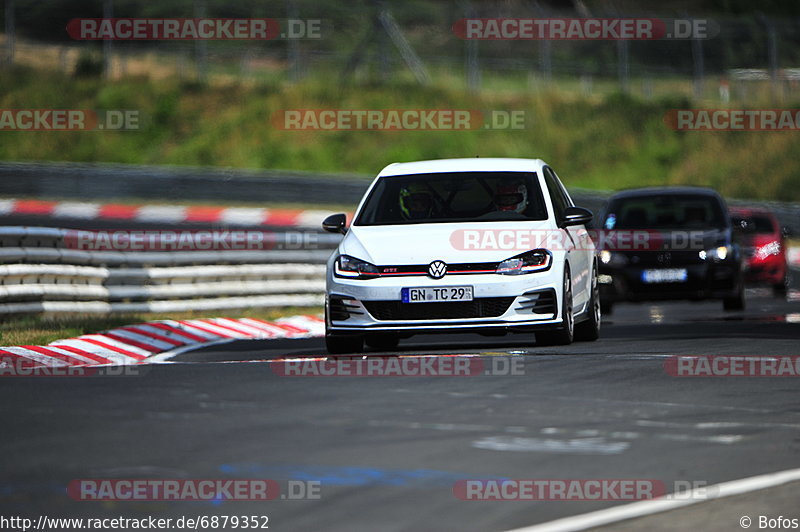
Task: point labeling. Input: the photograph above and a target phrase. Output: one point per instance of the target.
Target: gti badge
(437, 269)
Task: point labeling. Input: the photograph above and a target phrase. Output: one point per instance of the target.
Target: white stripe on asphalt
(36, 357)
(193, 330)
(7, 206)
(113, 356)
(142, 339)
(654, 506)
(172, 335)
(267, 328)
(71, 209)
(243, 216)
(311, 327)
(116, 343)
(299, 321)
(225, 333)
(244, 328)
(79, 358)
(161, 213)
(311, 218)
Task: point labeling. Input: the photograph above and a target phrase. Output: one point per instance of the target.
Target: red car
(762, 240)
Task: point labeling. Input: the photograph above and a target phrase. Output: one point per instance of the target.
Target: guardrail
(38, 273)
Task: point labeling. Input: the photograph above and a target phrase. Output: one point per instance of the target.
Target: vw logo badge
(437, 269)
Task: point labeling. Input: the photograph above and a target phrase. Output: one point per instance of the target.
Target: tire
(382, 341)
(565, 334)
(339, 345)
(589, 330)
(606, 307)
(779, 289)
(736, 301)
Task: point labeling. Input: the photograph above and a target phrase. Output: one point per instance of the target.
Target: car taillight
(773, 248)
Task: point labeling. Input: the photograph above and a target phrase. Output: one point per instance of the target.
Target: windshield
(454, 197)
(759, 225)
(678, 211)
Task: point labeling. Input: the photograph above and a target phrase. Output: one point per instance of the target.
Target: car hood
(424, 243)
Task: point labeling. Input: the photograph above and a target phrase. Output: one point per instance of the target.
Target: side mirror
(335, 223)
(576, 216)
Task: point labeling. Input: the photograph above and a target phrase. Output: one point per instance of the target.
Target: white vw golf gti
(476, 245)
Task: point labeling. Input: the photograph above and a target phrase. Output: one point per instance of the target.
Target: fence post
(293, 46)
(647, 87)
(200, 45)
(108, 44)
(623, 66)
(699, 67)
(773, 59)
(472, 67)
(10, 33)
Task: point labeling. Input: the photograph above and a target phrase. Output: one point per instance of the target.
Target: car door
(580, 258)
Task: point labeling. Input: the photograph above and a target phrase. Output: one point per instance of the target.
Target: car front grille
(487, 307)
(665, 259)
(340, 310)
(541, 302)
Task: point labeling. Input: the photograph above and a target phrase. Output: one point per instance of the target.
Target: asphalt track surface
(387, 451)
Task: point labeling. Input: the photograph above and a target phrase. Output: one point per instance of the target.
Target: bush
(89, 65)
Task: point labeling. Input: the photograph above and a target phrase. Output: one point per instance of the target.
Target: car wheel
(589, 330)
(382, 341)
(606, 307)
(565, 334)
(339, 344)
(779, 289)
(736, 301)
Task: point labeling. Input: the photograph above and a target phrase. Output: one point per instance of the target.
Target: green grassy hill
(606, 142)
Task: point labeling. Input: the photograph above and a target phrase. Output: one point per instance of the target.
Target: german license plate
(438, 294)
(667, 275)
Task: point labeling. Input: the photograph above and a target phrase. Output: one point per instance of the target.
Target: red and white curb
(157, 341)
(167, 214)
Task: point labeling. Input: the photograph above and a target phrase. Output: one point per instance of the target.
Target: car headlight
(613, 259)
(529, 262)
(716, 254)
(353, 268)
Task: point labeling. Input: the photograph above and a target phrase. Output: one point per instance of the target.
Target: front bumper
(704, 281)
(771, 270)
(501, 303)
